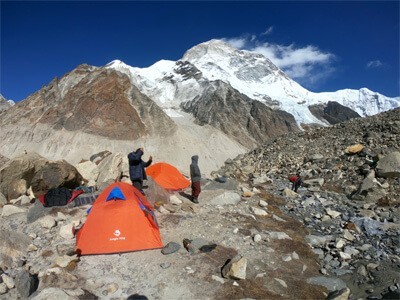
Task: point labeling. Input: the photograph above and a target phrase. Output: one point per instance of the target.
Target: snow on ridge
(248, 72)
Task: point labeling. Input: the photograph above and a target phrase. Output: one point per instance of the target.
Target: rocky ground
(339, 231)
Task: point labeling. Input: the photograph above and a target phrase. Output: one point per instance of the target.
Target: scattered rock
(236, 268)
(171, 247)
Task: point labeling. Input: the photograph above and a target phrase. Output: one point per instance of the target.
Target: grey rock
(342, 294)
(171, 247)
(389, 166)
(227, 198)
(331, 283)
(26, 284)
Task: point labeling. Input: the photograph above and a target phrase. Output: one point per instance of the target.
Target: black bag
(57, 197)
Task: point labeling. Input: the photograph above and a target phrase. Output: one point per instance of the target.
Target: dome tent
(120, 220)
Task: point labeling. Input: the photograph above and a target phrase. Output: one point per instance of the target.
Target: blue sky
(323, 45)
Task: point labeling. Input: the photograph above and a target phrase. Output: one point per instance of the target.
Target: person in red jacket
(296, 181)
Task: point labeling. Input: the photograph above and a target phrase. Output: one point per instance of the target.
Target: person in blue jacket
(137, 167)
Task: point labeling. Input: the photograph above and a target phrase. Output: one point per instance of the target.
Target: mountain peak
(117, 63)
(211, 48)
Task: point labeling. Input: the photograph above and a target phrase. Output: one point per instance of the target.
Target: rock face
(333, 112)
(248, 121)
(4, 104)
(95, 101)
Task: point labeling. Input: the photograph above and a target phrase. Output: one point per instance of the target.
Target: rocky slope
(351, 196)
(95, 109)
(5, 104)
(339, 232)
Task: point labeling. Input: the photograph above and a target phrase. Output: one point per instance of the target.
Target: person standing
(296, 181)
(195, 177)
(137, 167)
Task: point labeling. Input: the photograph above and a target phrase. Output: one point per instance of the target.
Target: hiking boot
(195, 200)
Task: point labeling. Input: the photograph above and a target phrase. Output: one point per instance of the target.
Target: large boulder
(33, 170)
(389, 166)
(55, 174)
(110, 168)
(17, 174)
(88, 170)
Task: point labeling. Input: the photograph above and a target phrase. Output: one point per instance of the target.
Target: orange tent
(120, 220)
(167, 176)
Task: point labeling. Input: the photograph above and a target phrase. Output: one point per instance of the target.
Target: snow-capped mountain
(252, 74)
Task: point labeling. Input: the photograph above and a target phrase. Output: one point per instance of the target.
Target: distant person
(137, 172)
(296, 181)
(195, 177)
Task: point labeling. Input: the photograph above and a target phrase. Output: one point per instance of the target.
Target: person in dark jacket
(195, 177)
(137, 172)
(296, 181)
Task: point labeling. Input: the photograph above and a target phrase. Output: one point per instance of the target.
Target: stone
(196, 244)
(344, 255)
(112, 288)
(13, 246)
(8, 281)
(333, 213)
(3, 288)
(351, 250)
(295, 255)
(342, 294)
(236, 268)
(26, 284)
(227, 198)
(65, 260)
(258, 211)
(52, 293)
(15, 170)
(314, 181)
(171, 247)
(3, 199)
(257, 238)
(275, 217)
(24, 200)
(278, 235)
(287, 257)
(247, 193)
(331, 283)
(354, 149)
(165, 265)
(9, 210)
(163, 210)
(315, 240)
(47, 222)
(110, 168)
(348, 236)
(362, 270)
(88, 170)
(340, 243)
(217, 278)
(289, 193)
(54, 174)
(389, 166)
(175, 200)
(66, 231)
(281, 282)
(262, 179)
(262, 203)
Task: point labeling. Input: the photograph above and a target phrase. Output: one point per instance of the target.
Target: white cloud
(374, 64)
(238, 43)
(268, 30)
(308, 65)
